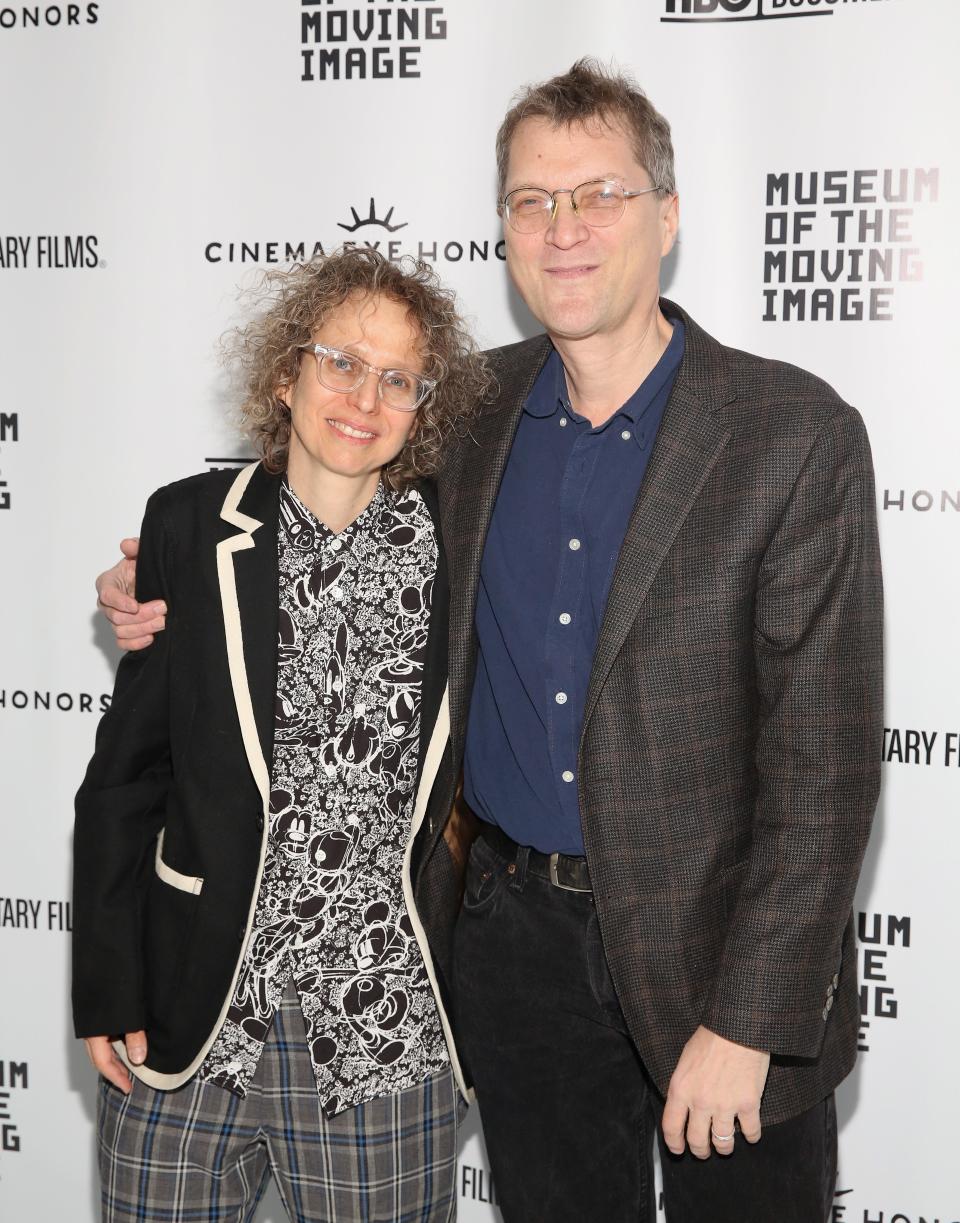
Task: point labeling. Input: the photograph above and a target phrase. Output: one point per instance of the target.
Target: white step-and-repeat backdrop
(156, 156)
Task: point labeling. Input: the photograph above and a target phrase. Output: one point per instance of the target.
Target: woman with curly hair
(251, 970)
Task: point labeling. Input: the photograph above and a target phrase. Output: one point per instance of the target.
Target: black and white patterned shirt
(354, 615)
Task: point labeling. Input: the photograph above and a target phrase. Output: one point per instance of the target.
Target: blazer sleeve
(119, 812)
(818, 661)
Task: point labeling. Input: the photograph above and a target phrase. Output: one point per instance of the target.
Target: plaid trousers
(203, 1153)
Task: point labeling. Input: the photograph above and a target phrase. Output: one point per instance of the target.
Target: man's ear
(670, 220)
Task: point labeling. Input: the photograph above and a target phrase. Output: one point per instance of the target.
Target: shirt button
(564, 617)
(625, 435)
(336, 544)
(574, 545)
(561, 698)
(567, 775)
(336, 594)
(563, 422)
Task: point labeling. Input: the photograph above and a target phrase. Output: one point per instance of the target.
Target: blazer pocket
(183, 883)
(170, 918)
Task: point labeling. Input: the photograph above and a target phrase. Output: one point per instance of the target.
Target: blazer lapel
(247, 569)
(467, 497)
(690, 440)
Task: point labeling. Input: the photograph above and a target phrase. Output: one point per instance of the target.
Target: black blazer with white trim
(172, 815)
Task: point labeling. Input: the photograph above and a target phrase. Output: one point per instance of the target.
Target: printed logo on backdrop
(36, 700)
(846, 1212)
(701, 12)
(881, 940)
(340, 40)
(9, 433)
(30, 913)
(373, 227)
(14, 1079)
(842, 245)
(476, 1184)
(49, 252)
(35, 16)
(838, 1212)
(922, 500)
(927, 748)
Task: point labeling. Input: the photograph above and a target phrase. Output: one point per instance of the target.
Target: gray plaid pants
(202, 1153)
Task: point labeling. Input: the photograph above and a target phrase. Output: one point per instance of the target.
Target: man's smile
(571, 273)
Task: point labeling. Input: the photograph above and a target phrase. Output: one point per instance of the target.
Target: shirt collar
(549, 393)
(308, 534)
(550, 389)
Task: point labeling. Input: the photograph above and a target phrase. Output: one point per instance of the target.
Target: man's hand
(716, 1083)
(105, 1060)
(133, 624)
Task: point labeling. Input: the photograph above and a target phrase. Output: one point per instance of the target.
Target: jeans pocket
(486, 871)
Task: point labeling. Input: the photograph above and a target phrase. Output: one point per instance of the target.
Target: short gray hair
(588, 90)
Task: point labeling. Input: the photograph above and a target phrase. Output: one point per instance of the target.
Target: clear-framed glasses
(342, 371)
(598, 202)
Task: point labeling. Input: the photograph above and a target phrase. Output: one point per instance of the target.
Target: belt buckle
(554, 878)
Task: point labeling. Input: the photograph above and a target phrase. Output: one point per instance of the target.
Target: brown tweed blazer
(729, 763)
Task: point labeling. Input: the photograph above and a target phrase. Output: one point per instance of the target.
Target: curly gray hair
(296, 301)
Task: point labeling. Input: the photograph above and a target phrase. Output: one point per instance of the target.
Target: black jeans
(569, 1113)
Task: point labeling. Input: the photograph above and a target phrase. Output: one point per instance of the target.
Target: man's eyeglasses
(598, 202)
(343, 372)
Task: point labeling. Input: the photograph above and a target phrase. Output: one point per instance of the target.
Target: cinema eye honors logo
(375, 229)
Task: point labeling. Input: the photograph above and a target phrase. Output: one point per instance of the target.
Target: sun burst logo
(371, 219)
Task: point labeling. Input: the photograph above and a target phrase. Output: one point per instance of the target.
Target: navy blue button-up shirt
(555, 535)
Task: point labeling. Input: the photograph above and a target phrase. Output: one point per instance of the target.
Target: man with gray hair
(665, 693)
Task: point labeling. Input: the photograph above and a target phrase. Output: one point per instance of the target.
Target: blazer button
(260, 822)
(241, 934)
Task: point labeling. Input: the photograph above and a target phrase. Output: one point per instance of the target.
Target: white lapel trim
(231, 623)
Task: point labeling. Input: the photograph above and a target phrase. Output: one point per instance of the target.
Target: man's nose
(566, 228)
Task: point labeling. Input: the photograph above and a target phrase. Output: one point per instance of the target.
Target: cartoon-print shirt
(354, 614)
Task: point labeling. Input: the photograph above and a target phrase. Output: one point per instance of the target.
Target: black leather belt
(562, 870)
